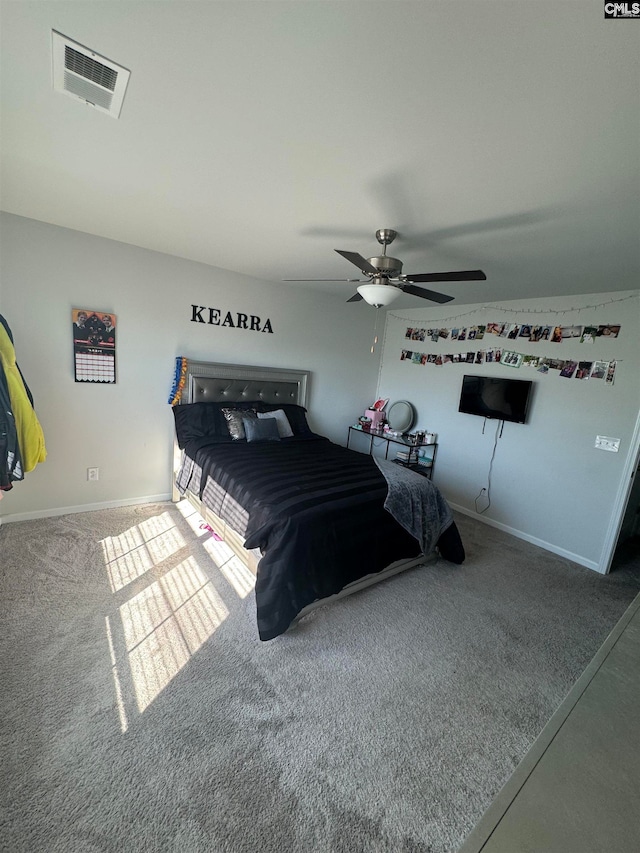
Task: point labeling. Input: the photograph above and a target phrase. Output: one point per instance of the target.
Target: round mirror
(401, 416)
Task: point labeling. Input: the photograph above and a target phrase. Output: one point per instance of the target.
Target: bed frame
(236, 383)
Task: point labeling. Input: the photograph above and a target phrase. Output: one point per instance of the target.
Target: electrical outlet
(93, 473)
(605, 442)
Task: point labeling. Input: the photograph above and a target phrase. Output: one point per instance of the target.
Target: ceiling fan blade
(427, 294)
(324, 279)
(355, 298)
(462, 275)
(362, 263)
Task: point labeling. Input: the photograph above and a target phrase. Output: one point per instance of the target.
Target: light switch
(605, 442)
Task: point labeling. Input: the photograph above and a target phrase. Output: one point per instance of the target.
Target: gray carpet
(141, 713)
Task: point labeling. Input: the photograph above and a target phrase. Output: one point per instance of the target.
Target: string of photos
(504, 340)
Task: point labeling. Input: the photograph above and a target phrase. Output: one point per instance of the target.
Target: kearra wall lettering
(213, 317)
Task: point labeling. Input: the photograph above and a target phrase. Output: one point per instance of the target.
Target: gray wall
(549, 484)
(126, 429)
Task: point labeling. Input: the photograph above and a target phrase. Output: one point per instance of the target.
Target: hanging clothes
(29, 432)
(4, 323)
(10, 459)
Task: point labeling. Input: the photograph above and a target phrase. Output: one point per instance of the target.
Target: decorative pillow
(296, 415)
(200, 420)
(284, 427)
(234, 418)
(261, 430)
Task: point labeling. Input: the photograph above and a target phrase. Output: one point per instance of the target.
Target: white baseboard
(561, 552)
(68, 510)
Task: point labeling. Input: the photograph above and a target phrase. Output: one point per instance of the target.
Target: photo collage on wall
(502, 344)
(94, 346)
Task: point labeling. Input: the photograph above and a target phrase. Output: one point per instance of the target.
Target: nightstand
(424, 468)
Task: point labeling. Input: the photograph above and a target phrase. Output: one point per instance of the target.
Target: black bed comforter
(314, 509)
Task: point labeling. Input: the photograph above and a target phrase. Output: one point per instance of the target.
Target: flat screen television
(496, 397)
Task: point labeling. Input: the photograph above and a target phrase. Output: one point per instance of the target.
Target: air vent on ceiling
(86, 76)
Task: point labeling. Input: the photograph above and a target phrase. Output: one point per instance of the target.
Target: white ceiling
(260, 136)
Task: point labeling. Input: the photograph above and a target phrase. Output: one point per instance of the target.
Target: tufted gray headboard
(208, 381)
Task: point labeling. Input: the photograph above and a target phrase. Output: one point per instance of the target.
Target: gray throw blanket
(415, 503)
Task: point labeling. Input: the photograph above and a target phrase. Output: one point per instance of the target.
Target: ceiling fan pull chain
(375, 332)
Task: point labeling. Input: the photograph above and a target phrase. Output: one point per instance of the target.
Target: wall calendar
(94, 346)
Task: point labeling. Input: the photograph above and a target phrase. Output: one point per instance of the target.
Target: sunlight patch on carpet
(122, 713)
(165, 624)
(140, 548)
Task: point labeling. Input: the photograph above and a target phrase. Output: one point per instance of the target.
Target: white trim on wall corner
(561, 552)
(69, 510)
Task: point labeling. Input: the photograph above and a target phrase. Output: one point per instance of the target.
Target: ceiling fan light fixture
(379, 295)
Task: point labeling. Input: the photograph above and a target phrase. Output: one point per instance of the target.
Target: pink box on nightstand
(377, 418)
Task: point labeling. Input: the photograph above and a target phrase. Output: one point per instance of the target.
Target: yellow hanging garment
(30, 435)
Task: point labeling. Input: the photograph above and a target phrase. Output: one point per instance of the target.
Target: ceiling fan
(385, 280)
